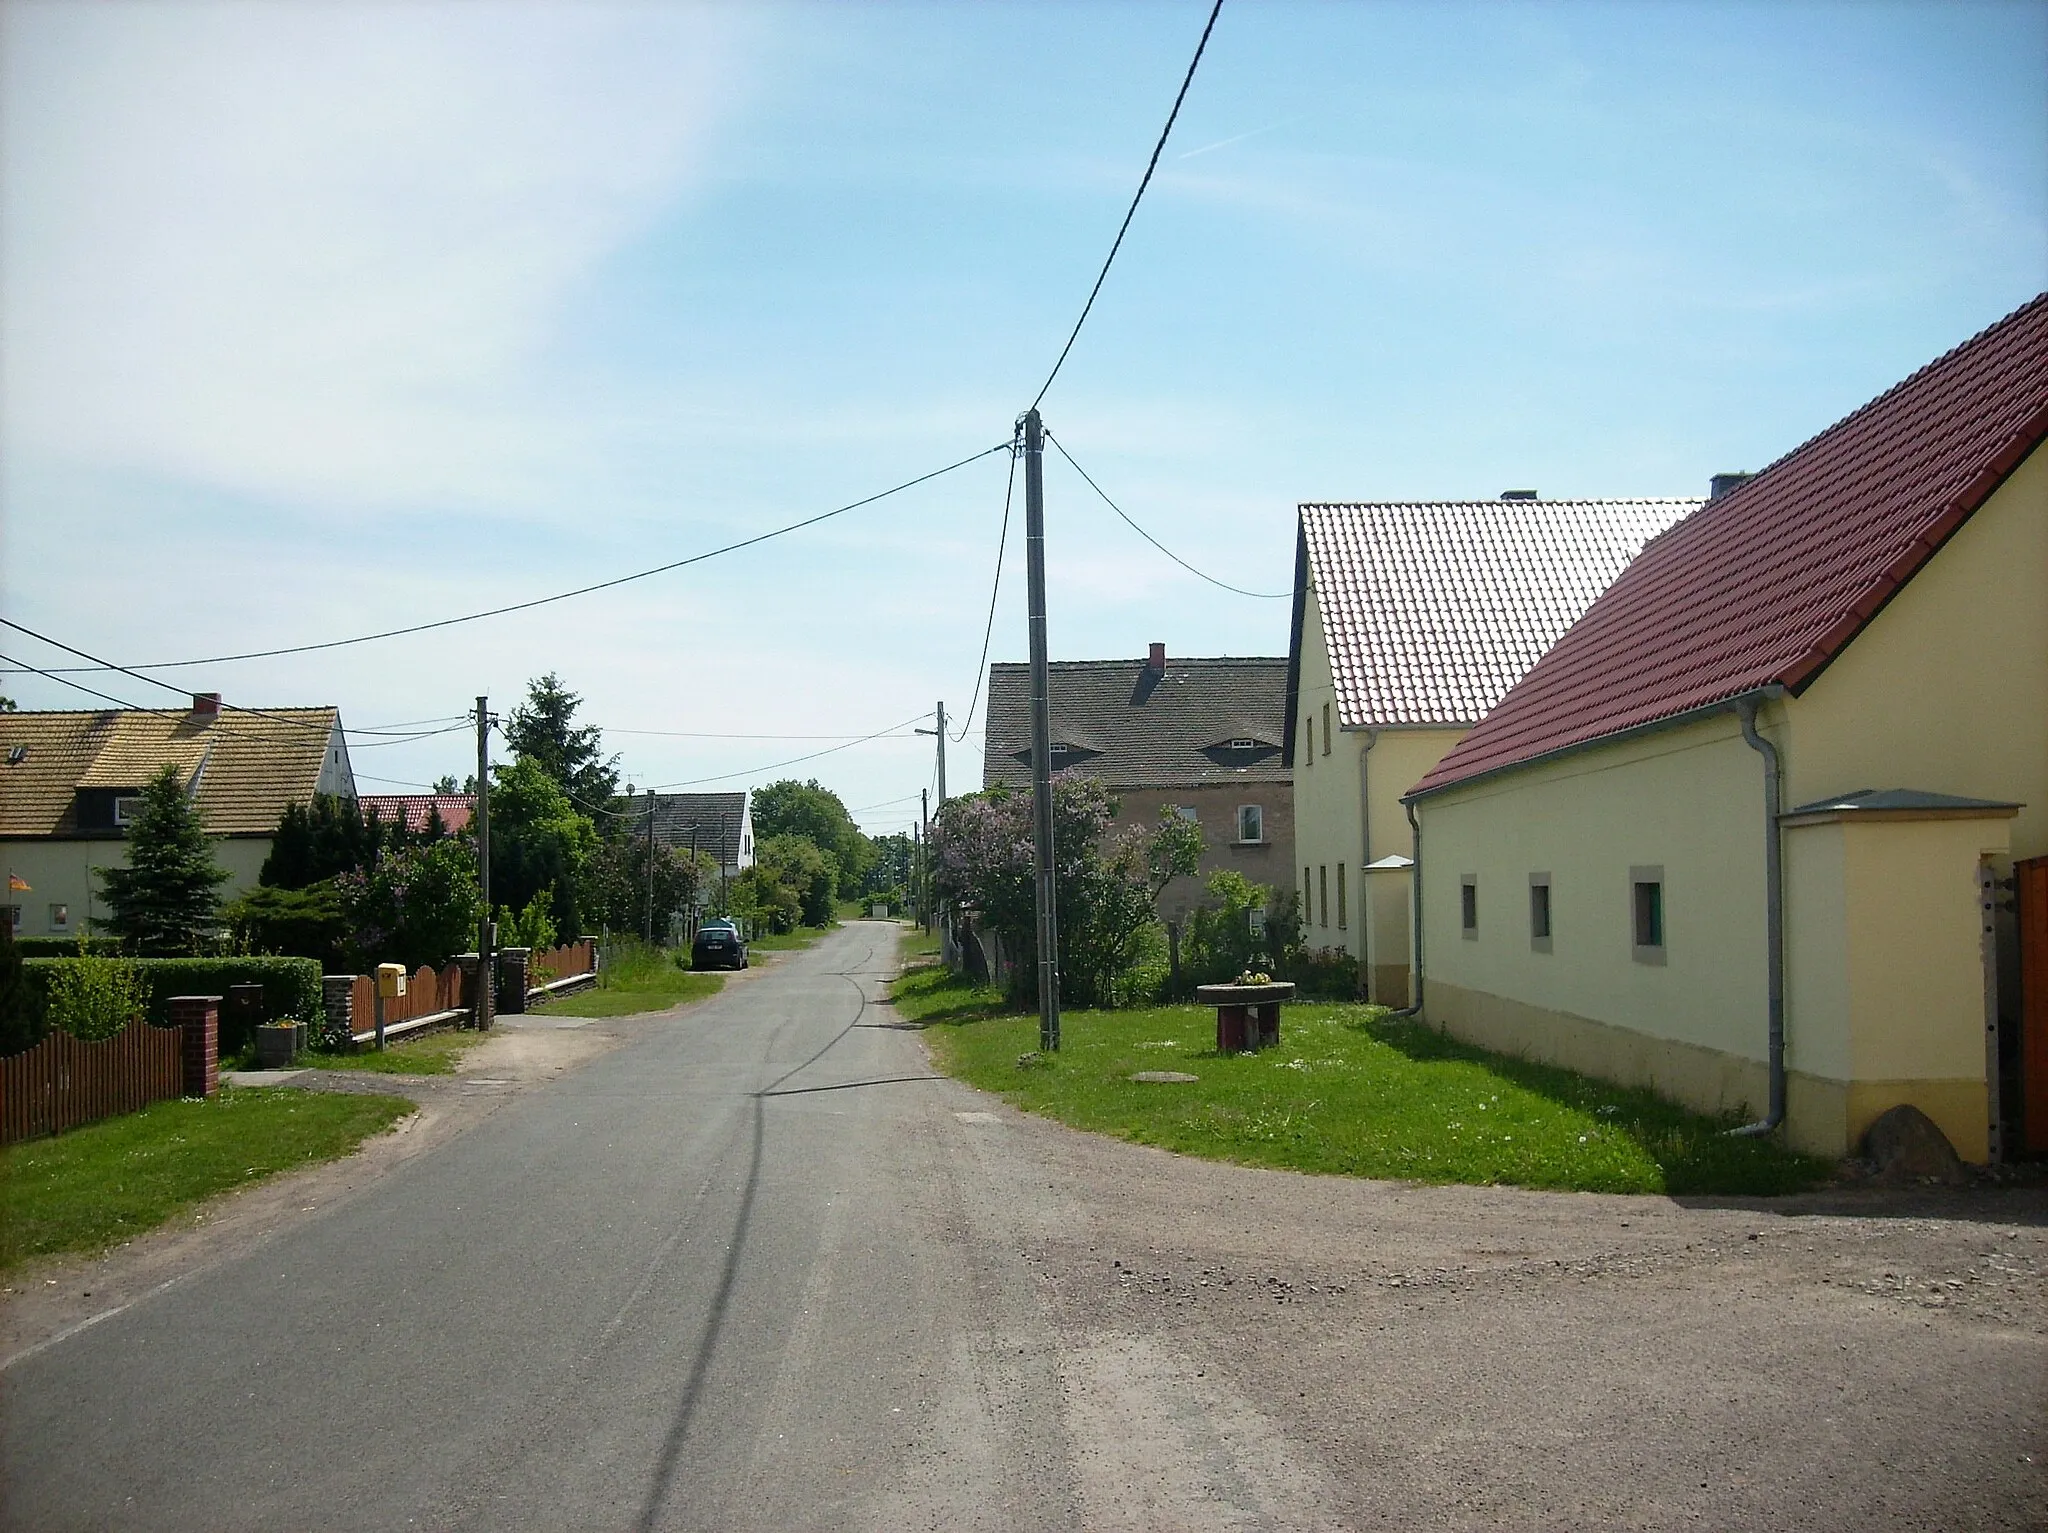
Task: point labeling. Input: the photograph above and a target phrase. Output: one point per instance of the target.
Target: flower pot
(277, 1044)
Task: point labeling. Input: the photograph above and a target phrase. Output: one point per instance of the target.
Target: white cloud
(319, 252)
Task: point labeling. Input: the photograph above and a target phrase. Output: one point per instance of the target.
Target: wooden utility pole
(1041, 737)
(924, 859)
(487, 929)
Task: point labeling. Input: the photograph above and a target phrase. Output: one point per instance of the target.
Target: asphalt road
(756, 1268)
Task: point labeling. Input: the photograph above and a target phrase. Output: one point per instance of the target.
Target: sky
(323, 319)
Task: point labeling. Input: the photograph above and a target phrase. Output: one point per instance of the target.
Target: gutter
(1372, 738)
(1774, 912)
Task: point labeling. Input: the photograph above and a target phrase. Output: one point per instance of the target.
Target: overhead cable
(542, 601)
(1150, 166)
(995, 590)
(774, 766)
(1141, 532)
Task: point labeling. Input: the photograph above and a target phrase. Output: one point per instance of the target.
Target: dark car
(718, 946)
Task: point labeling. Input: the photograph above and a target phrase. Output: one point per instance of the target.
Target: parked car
(719, 945)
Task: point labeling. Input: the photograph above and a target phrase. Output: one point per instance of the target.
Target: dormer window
(127, 809)
(1244, 745)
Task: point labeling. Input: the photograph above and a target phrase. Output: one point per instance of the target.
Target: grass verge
(789, 942)
(636, 978)
(434, 1054)
(111, 1180)
(1350, 1091)
(917, 943)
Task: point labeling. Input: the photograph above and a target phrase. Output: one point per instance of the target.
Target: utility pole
(924, 859)
(650, 867)
(487, 929)
(941, 733)
(1041, 736)
(696, 894)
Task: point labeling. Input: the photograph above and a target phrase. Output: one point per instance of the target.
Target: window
(14, 918)
(1244, 745)
(1539, 912)
(1251, 822)
(1326, 729)
(1323, 891)
(1343, 910)
(1309, 756)
(60, 918)
(127, 810)
(1308, 896)
(1187, 814)
(1646, 912)
(1468, 906)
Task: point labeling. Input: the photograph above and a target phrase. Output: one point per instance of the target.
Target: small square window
(1251, 822)
(1539, 912)
(127, 810)
(1646, 914)
(1468, 906)
(60, 918)
(1187, 814)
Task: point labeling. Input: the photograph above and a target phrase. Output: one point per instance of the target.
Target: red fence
(64, 1081)
(563, 962)
(426, 992)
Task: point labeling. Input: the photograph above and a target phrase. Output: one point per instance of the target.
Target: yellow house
(69, 781)
(1411, 620)
(1747, 833)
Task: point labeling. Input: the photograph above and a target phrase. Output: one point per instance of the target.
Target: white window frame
(60, 916)
(1258, 824)
(127, 808)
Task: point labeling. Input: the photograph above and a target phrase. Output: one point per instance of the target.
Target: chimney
(1517, 494)
(205, 705)
(1721, 484)
(1156, 661)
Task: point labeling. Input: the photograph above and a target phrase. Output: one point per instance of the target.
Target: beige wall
(1689, 800)
(60, 872)
(1947, 688)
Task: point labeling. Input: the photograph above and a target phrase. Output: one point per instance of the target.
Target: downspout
(1364, 907)
(1774, 918)
(1414, 1008)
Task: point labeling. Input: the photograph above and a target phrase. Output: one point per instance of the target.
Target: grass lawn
(918, 943)
(789, 942)
(1349, 1091)
(635, 979)
(435, 1054)
(107, 1181)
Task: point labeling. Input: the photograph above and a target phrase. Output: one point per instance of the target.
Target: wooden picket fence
(64, 1081)
(427, 992)
(564, 962)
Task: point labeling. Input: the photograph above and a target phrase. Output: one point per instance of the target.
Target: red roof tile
(1767, 584)
(456, 808)
(1432, 610)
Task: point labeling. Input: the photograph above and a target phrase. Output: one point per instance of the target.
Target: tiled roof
(250, 765)
(1433, 609)
(456, 808)
(1767, 584)
(1135, 729)
(715, 818)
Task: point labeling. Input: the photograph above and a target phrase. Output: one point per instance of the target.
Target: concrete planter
(1247, 1016)
(278, 1044)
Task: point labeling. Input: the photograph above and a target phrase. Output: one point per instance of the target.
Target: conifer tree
(165, 902)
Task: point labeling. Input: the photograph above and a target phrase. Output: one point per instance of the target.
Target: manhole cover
(1161, 1077)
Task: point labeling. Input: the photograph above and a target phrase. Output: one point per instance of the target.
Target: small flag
(16, 884)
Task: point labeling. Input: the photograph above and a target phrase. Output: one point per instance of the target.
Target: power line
(1150, 166)
(987, 633)
(796, 760)
(884, 804)
(542, 601)
(687, 734)
(1141, 532)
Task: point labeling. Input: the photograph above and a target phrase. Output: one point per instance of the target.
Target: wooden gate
(2030, 886)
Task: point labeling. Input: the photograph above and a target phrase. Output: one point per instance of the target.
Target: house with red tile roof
(1748, 832)
(1411, 620)
(418, 811)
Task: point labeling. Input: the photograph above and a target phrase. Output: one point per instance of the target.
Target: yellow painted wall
(1947, 688)
(1690, 800)
(59, 872)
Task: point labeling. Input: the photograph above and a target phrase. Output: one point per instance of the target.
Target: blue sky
(326, 318)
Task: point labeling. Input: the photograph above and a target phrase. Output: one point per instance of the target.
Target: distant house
(71, 782)
(717, 825)
(1411, 620)
(415, 810)
(1780, 781)
(1204, 736)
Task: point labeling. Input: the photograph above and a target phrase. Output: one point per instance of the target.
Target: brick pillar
(338, 1027)
(198, 1018)
(512, 965)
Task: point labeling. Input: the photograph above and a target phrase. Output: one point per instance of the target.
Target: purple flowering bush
(415, 906)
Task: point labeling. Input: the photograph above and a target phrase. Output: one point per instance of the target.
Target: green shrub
(95, 997)
(67, 947)
(291, 989)
(532, 927)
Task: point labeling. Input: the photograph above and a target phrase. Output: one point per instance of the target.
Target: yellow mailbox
(390, 980)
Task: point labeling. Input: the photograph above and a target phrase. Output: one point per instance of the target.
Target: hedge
(291, 988)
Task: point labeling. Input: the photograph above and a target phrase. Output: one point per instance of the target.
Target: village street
(757, 1268)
